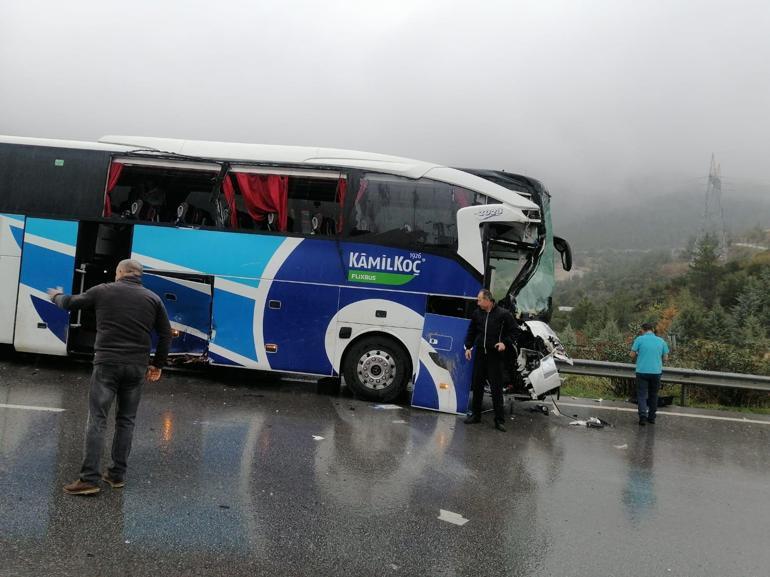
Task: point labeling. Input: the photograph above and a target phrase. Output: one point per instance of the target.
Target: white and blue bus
(326, 262)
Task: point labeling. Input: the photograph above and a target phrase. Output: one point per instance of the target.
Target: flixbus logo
(383, 269)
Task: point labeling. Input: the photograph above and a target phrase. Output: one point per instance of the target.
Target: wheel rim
(376, 369)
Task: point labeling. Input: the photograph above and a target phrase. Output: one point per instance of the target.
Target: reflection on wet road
(231, 478)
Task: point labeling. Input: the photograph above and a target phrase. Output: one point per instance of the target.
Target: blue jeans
(647, 387)
(109, 381)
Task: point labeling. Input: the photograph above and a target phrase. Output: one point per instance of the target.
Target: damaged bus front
(519, 260)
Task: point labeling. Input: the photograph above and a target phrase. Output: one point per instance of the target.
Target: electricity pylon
(713, 213)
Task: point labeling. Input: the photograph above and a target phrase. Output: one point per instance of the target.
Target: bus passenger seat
(323, 225)
(136, 209)
(328, 226)
(181, 213)
(141, 210)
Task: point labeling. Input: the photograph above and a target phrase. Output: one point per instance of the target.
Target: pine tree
(750, 301)
(704, 269)
(752, 332)
(610, 333)
(567, 336)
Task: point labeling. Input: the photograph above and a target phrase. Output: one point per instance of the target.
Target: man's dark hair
(648, 326)
(487, 294)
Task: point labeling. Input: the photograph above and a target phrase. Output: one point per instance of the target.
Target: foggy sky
(587, 96)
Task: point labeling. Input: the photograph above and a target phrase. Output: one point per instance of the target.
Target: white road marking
(32, 408)
(692, 416)
(454, 518)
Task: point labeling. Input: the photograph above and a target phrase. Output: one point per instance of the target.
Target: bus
(324, 262)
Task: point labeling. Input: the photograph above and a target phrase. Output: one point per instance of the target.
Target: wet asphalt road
(227, 478)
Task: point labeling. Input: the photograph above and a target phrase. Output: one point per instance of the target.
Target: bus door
(11, 238)
(187, 298)
(47, 261)
(444, 379)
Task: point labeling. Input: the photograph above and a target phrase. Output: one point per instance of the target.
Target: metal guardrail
(670, 375)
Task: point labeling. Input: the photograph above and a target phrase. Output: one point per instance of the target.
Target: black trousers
(488, 367)
(647, 388)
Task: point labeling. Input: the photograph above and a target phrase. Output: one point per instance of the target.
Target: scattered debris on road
(450, 517)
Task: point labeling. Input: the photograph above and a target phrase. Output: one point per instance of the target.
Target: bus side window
(384, 206)
(164, 194)
(409, 212)
(314, 205)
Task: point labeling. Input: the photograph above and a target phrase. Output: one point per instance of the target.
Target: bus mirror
(565, 251)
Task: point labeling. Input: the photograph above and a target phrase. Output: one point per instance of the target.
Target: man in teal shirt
(650, 352)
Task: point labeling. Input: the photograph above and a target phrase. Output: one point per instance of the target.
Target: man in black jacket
(491, 331)
(126, 313)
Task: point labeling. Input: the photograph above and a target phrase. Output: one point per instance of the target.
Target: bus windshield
(505, 265)
(533, 299)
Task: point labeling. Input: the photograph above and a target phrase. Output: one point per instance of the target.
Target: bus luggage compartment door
(47, 261)
(11, 238)
(187, 298)
(444, 378)
(295, 322)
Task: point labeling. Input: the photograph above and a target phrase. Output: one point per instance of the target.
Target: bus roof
(55, 143)
(311, 156)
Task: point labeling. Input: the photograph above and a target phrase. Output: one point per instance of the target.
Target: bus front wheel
(376, 369)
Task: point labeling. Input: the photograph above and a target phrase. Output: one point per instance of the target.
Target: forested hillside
(716, 315)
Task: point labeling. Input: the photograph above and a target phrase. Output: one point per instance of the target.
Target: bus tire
(377, 368)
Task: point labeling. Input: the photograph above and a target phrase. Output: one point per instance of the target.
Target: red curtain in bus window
(361, 190)
(229, 190)
(342, 188)
(264, 193)
(462, 197)
(112, 180)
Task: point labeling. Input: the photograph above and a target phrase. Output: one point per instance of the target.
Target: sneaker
(642, 421)
(471, 419)
(80, 487)
(651, 421)
(500, 427)
(114, 483)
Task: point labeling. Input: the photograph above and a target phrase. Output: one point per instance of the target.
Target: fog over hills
(654, 216)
